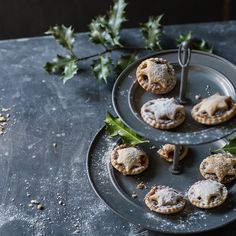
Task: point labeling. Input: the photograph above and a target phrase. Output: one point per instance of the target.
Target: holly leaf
(117, 17)
(106, 29)
(115, 127)
(197, 44)
(152, 31)
(202, 45)
(184, 37)
(99, 32)
(124, 61)
(230, 147)
(65, 66)
(64, 35)
(102, 67)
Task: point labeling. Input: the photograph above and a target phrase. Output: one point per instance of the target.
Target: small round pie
(167, 152)
(164, 200)
(214, 109)
(220, 167)
(156, 75)
(129, 160)
(163, 113)
(207, 194)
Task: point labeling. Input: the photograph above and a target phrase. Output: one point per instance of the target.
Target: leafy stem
(110, 50)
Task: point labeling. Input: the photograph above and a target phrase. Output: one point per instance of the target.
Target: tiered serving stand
(198, 74)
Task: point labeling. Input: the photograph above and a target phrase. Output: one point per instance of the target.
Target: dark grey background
(22, 18)
(47, 112)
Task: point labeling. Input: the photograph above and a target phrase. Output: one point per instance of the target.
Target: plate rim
(99, 133)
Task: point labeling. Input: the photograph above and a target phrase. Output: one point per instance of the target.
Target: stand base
(177, 171)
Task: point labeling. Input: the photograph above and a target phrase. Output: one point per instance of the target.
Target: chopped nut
(2, 118)
(40, 207)
(34, 202)
(54, 145)
(141, 186)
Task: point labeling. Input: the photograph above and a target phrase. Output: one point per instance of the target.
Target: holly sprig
(105, 30)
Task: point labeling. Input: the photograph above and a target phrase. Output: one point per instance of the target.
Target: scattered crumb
(5, 109)
(134, 195)
(197, 97)
(40, 207)
(141, 186)
(54, 145)
(30, 205)
(2, 118)
(28, 194)
(34, 202)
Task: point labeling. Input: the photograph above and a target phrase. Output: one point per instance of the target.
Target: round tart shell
(212, 176)
(214, 120)
(121, 168)
(183, 154)
(171, 209)
(200, 204)
(161, 124)
(152, 88)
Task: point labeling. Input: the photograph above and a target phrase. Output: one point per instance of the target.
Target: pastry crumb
(141, 186)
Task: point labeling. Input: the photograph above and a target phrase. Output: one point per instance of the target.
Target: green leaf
(65, 66)
(115, 127)
(124, 61)
(117, 17)
(105, 30)
(102, 67)
(184, 37)
(152, 31)
(197, 44)
(64, 35)
(202, 45)
(230, 147)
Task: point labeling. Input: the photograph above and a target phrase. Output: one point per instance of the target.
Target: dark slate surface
(47, 112)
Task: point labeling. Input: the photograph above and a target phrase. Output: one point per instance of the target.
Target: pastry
(164, 200)
(220, 167)
(167, 152)
(207, 194)
(129, 160)
(163, 113)
(214, 109)
(156, 75)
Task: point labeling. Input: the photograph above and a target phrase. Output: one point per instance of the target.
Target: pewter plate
(208, 74)
(116, 189)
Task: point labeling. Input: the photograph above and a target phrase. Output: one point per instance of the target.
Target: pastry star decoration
(213, 103)
(165, 197)
(166, 108)
(129, 157)
(158, 73)
(206, 190)
(220, 166)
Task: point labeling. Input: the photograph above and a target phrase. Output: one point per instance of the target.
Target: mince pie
(207, 194)
(220, 167)
(129, 160)
(164, 200)
(214, 109)
(163, 113)
(156, 75)
(167, 152)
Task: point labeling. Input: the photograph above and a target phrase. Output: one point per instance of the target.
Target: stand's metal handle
(184, 55)
(175, 168)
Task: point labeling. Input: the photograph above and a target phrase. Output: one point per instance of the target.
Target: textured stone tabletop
(43, 152)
